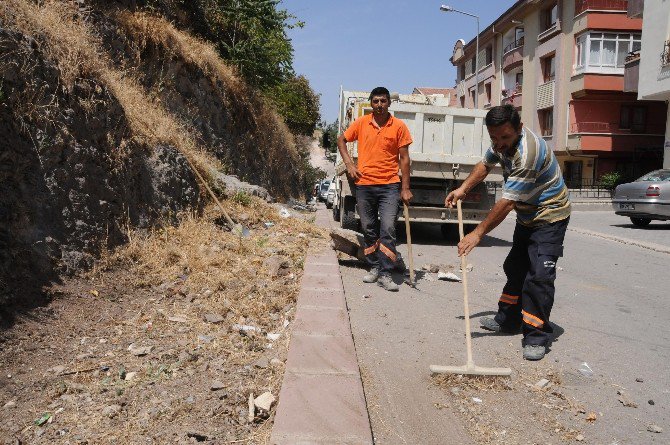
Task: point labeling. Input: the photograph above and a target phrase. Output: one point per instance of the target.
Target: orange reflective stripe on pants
(532, 319)
(371, 249)
(388, 252)
(509, 299)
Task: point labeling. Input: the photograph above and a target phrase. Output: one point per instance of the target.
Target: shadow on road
(652, 226)
(431, 234)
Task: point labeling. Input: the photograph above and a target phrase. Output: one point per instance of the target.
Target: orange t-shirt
(378, 148)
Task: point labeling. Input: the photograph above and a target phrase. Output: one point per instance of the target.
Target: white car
(330, 196)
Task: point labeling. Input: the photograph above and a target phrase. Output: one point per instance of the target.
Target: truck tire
(450, 231)
(640, 222)
(348, 219)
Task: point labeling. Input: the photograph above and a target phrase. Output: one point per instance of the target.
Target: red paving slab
(321, 401)
(327, 355)
(321, 297)
(321, 321)
(321, 409)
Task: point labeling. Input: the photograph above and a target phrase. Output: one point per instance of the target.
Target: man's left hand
(469, 242)
(406, 196)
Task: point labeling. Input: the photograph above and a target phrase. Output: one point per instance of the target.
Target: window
(469, 67)
(604, 52)
(519, 79)
(472, 97)
(462, 101)
(487, 88)
(461, 72)
(548, 17)
(518, 33)
(633, 118)
(549, 68)
(546, 118)
(489, 55)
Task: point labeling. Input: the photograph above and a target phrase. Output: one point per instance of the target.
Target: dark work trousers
(378, 209)
(528, 295)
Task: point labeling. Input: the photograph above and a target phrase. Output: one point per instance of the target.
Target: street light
(445, 8)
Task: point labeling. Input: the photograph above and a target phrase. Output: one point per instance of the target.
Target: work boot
(371, 276)
(534, 352)
(490, 324)
(387, 283)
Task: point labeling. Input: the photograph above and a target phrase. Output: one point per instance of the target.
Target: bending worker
(533, 187)
(383, 143)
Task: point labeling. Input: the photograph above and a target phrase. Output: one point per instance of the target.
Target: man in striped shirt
(533, 187)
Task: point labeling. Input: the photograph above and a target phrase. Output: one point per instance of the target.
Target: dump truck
(448, 142)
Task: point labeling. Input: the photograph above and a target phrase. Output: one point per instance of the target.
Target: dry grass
(268, 139)
(70, 44)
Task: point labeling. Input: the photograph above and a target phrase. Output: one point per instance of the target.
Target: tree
(298, 104)
(329, 138)
(250, 34)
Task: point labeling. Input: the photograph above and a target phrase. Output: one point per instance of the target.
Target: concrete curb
(631, 242)
(321, 400)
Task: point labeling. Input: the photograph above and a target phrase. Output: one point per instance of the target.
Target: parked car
(645, 199)
(323, 191)
(330, 196)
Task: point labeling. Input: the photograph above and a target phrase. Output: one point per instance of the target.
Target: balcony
(512, 96)
(665, 55)
(631, 72)
(545, 95)
(600, 5)
(612, 129)
(635, 9)
(512, 55)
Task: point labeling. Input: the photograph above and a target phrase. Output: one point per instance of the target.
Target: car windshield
(656, 176)
(325, 186)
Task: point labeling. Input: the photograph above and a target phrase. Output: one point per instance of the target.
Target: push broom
(470, 368)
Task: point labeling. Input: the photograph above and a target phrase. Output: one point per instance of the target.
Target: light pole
(446, 8)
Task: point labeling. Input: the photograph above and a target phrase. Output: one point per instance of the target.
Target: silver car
(644, 200)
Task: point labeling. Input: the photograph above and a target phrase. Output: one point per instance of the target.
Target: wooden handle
(464, 271)
(409, 243)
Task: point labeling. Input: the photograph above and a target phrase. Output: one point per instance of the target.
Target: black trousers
(378, 209)
(528, 295)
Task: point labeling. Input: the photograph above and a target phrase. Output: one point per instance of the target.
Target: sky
(399, 44)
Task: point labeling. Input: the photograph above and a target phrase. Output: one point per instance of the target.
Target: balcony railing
(635, 9)
(545, 95)
(600, 5)
(613, 128)
(515, 44)
(665, 55)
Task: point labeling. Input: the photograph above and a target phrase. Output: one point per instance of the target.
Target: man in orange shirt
(383, 143)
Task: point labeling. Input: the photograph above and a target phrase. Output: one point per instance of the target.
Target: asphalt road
(612, 311)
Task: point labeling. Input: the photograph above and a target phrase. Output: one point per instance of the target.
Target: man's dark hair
(380, 91)
(502, 114)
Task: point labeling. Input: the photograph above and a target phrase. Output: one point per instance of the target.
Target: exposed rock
(264, 401)
(213, 318)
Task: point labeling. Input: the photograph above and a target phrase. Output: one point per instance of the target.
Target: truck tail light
(473, 197)
(653, 191)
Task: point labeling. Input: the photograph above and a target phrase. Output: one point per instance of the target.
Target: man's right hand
(454, 196)
(353, 172)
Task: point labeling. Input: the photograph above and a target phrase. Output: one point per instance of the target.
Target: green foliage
(611, 180)
(250, 34)
(298, 104)
(311, 174)
(329, 138)
(242, 198)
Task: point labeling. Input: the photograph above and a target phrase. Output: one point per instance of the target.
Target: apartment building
(561, 63)
(647, 71)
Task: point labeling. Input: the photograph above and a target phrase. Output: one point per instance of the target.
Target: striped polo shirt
(533, 181)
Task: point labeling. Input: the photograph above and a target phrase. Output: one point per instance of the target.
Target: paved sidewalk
(321, 400)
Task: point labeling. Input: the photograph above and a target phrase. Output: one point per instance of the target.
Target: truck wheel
(449, 231)
(336, 214)
(348, 219)
(640, 222)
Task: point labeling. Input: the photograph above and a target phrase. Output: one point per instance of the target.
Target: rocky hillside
(106, 113)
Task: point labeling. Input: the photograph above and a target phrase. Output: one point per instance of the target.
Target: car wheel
(348, 220)
(640, 222)
(336, 214)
